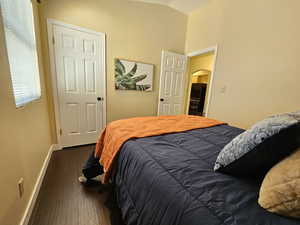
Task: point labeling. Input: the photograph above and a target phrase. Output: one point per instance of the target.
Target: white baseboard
(57, 147)
(37, 186)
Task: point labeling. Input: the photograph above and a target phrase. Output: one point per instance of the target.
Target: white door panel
(91, 117)
(79, 62)
(172, 83)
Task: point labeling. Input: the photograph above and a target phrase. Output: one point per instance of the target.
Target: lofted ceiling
(185, 6)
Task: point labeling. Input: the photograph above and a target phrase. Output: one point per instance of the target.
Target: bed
(169, 180)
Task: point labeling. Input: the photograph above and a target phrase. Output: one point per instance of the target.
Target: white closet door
(80, 73)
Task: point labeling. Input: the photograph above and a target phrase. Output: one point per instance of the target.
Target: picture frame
(133, 75)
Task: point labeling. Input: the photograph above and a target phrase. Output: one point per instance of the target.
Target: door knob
(161, 99)
(99, 99)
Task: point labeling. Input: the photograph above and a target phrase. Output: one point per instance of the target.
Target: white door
(172, 83)
(80, 75)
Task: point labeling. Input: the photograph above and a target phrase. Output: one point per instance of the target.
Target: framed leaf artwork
(131, 75)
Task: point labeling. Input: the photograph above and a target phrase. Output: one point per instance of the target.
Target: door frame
(102, 39)
(212, 76)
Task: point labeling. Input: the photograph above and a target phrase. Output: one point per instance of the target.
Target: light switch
(223, 89)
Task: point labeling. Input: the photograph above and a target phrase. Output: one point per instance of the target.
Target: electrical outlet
(21, 187)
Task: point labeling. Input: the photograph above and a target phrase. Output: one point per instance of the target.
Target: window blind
(21, 49)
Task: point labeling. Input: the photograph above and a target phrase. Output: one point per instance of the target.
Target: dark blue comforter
(169, 180)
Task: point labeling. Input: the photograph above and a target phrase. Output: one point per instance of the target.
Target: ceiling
(185, 6)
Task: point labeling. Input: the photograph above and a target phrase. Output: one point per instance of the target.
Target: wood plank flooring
(62, 199)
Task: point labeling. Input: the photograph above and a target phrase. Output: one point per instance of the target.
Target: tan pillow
(280, 190)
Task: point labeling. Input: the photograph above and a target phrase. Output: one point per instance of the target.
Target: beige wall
(200, 79)
(25, 140)
(258, 58)
(136, 31)
(201, 62)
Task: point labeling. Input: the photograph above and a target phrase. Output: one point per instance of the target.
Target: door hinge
(60, 132)
(53, 40)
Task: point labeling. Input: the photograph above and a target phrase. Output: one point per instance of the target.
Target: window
(21, 49)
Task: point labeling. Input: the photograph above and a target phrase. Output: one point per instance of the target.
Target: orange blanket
(118, 132)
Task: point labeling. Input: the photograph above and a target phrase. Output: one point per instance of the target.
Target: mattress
(169, 180)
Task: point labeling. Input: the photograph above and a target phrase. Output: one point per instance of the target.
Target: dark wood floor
(62, 199)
